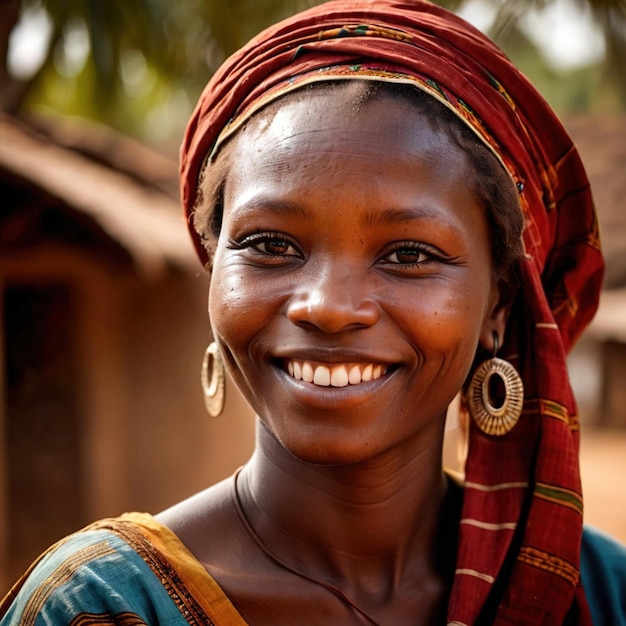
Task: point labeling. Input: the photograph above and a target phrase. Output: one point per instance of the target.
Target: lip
(333, 356)
(335, 398)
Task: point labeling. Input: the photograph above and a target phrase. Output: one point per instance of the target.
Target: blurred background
(103, 302)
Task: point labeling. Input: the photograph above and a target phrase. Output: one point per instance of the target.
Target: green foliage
(174, 44)
(147, 60)
(584, 89)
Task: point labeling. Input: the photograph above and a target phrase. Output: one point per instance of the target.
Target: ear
(496, 320)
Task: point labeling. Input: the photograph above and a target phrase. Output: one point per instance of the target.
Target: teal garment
(133, 571)
(94, 578)
(603, 574)
(127, 571)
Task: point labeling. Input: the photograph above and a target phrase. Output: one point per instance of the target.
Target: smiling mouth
(337, 375)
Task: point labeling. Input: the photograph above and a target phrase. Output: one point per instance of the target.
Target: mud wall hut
(104, 326)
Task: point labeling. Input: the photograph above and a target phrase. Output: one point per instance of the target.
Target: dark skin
(351, 251)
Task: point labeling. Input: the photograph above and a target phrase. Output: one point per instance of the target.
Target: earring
(500, 416)
(213, 380)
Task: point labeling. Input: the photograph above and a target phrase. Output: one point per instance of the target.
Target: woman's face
(352, 280)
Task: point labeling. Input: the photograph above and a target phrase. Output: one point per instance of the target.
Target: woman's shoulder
(131, 568)
(93, 571)
(603, 573)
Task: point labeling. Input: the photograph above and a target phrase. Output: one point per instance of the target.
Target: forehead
(345, 165)
(344, 123)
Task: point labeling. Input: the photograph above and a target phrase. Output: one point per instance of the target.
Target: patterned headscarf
(521, 523)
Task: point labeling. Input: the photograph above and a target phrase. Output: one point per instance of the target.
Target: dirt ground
(603, 467)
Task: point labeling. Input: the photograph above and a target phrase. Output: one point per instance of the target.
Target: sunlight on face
(352, 279)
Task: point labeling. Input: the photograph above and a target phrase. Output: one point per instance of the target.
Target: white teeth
(334, 376)
(339, 376)
(307, 372)
(354, 377)
(322, 376)
(366, 374)
(297, 370)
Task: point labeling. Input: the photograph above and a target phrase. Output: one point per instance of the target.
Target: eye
(409, 254)
(274, 246)
(269, 244)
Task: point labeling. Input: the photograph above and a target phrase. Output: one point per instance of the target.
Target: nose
(333, 302)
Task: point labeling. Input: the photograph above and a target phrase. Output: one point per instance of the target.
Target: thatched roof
(108, 147)
(128, 202)
(131, 191)
(602, 145)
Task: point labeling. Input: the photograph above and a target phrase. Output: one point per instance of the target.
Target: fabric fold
(519, 557)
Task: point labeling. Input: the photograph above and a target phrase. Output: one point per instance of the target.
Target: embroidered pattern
(178, 592)
(60, 577)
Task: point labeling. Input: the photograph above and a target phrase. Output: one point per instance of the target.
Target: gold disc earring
(213, 380)
(495, 417)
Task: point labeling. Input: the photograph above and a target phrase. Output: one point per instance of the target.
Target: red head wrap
(521, 523)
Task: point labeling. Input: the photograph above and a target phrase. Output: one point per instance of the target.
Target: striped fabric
(128, 571)
(132, 571)
(521, 528)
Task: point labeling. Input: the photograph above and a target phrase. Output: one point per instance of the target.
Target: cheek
(230, 301)
(465, 321)
(448, 320)
(239, 306)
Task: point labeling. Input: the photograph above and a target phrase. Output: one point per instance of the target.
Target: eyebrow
(377, 217)
(280, 207)
(386, 216)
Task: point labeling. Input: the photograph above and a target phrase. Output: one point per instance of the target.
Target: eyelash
(255, 240)
(412, 248)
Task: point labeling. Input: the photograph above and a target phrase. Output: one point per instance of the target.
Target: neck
(373, 524)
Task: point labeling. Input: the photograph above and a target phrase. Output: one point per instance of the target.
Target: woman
(390, 214)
